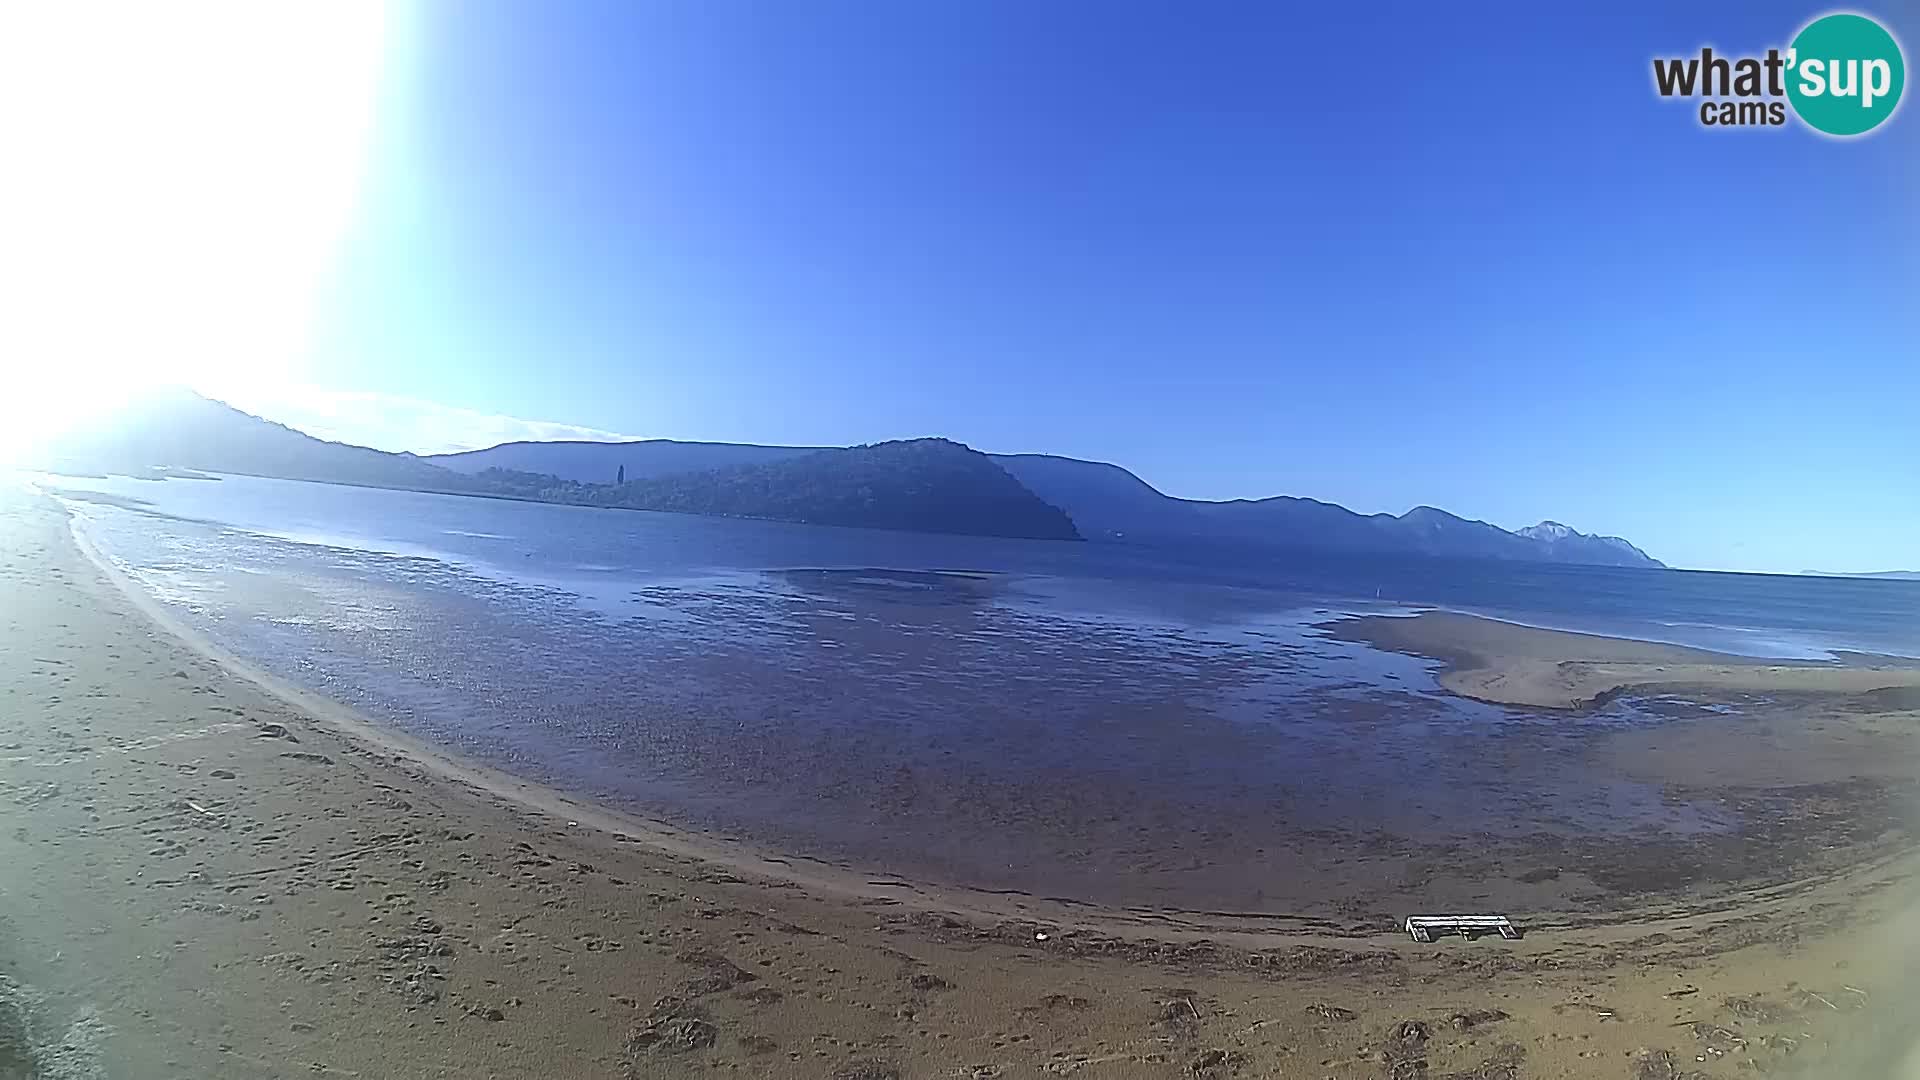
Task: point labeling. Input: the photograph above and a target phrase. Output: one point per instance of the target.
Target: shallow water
(1060, 724)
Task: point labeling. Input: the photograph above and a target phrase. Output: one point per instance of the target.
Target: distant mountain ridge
(1585, 547)
(922, 484)
(181, 429)
(595, 463)
(914, 485)
(1108, 502)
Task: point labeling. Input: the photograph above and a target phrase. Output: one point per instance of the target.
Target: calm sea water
(1112, 722)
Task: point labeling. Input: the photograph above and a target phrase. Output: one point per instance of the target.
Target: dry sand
(1521, 665)
(202, 878)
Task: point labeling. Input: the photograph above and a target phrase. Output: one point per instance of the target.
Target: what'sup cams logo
(1842, 76)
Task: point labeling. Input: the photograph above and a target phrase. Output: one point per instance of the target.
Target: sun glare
(180, 177)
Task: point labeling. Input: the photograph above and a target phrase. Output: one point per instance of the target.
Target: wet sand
(1508, 664)
(210, 876)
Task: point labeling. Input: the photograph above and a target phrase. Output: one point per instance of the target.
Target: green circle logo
(1845, 74)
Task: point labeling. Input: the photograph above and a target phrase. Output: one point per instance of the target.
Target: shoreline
(498, 496)
(552, 802)
(207, 875)
(820, 877)
(848, 882)
(1508, 663)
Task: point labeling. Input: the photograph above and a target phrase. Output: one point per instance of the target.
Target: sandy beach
(209, 875)
(1507, 664)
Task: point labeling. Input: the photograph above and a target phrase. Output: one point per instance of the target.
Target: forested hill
(1105, 502)
(176, 428)
(921, 485)
(924, 485)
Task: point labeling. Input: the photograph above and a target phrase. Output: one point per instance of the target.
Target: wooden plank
(1423, 927)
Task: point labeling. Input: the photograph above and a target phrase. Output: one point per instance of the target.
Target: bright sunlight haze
(180, 178)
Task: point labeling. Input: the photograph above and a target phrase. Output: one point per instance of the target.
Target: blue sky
(1382, 255)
